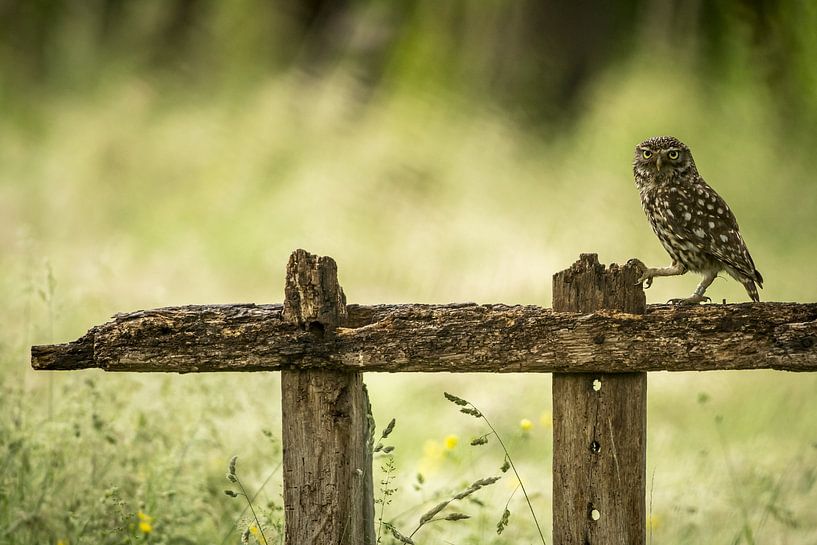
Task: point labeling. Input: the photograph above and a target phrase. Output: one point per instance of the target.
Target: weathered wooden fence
(599, 340)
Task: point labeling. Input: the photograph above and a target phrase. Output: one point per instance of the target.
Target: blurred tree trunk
(533, 57)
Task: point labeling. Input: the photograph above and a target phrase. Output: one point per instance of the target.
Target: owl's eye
(673, 154)
(646, 154)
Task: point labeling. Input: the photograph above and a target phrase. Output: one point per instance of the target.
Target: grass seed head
(389, 429)
(431, 513)
(503, 522)
(481, 440)
(454, 399)
(400, 537)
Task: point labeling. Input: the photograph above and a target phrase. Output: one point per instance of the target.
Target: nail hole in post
(595, 447)
(597, 384)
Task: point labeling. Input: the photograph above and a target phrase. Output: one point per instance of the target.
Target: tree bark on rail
(449, 338)
(322, 346)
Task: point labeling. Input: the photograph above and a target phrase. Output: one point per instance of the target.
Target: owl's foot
(693, 299)
(646, 278)
(673, 270)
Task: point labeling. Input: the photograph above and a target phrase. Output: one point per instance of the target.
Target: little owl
(692, 221)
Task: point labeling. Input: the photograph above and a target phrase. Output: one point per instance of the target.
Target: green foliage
(106, 471)
(507, 462)
(142, 167)
(386, 490)
(254, 527)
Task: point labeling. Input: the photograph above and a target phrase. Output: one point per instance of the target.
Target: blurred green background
(176, 152)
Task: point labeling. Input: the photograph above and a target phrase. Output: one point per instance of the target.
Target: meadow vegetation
(142, 190)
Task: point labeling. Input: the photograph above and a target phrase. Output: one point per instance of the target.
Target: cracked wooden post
(599, 422)
(328, 492)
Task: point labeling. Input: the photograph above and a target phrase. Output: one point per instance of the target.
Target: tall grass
(141, 197)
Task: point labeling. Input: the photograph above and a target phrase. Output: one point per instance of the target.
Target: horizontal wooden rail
(323, 346)
(448, 338)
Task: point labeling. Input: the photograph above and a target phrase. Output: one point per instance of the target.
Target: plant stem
(510, 459)
(652, 485)
(383, 500)
(230, 531)
(257, 523)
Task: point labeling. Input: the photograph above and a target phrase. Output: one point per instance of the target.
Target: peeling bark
(449, 338)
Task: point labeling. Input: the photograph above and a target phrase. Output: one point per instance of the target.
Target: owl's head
(662, 157)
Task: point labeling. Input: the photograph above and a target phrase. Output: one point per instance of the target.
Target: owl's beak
(658, 162)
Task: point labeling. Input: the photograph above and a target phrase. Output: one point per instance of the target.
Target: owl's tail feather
(749, 284)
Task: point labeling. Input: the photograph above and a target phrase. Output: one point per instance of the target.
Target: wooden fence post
(326, 422)
(599, 400)
(599, 422)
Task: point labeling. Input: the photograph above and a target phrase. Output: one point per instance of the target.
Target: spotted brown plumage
(693, 223)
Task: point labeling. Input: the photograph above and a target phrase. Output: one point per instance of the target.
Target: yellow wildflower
(143, 517)
(525, 424)
(145, 522)
(255, 531)
(433, 455)
(654, 522)
(450, 442)
(546, 419)
(432, 450)
(62, 542)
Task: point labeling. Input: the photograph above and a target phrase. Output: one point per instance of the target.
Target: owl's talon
(693, 299)
(645, 279)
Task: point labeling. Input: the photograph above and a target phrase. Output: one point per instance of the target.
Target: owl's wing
(704, 219)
